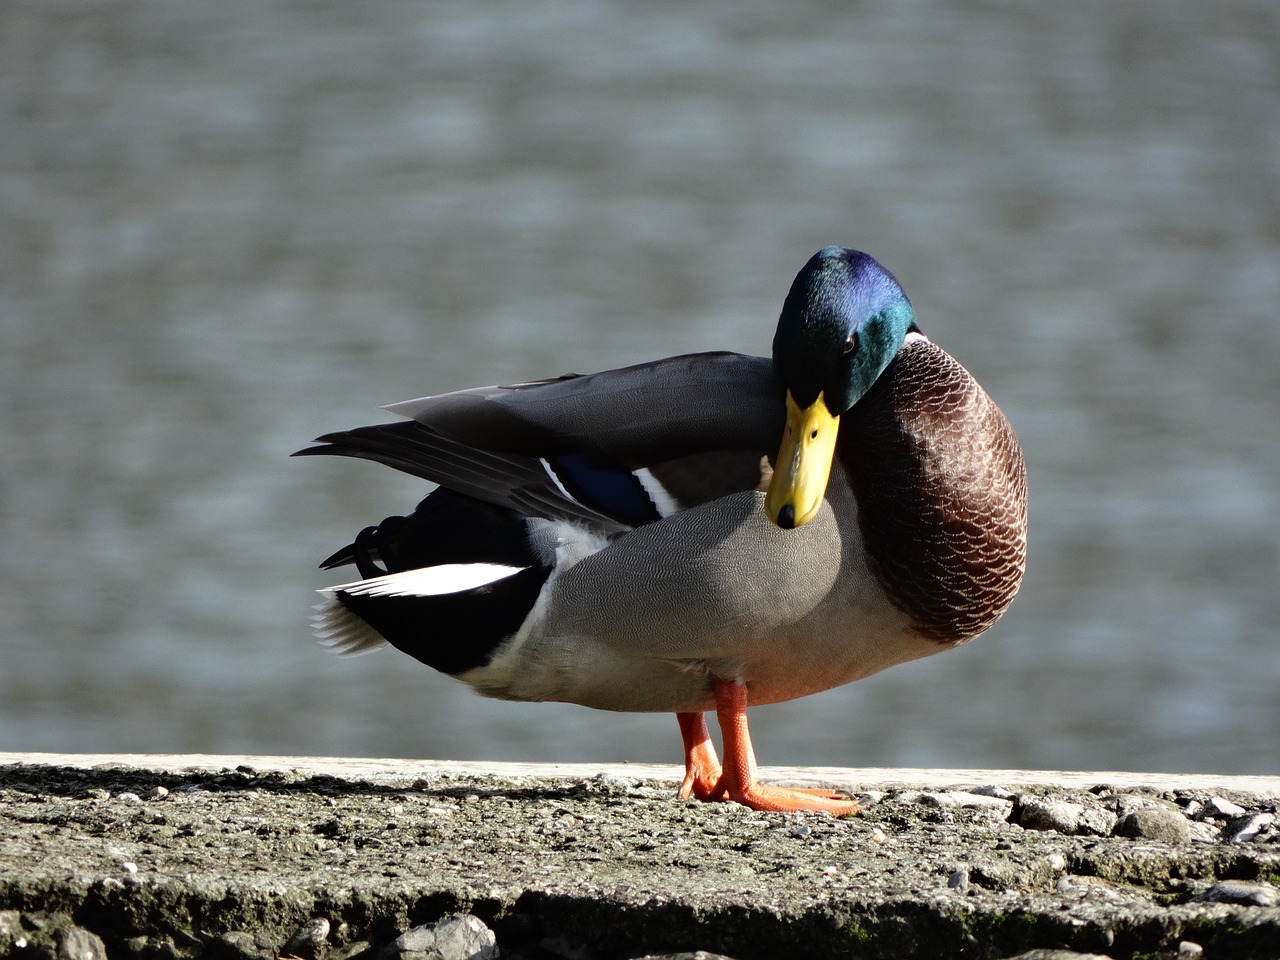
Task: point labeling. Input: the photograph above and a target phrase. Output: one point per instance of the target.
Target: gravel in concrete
(136, 864)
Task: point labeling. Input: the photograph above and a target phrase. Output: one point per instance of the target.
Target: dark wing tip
(328, 443)
(340, 558)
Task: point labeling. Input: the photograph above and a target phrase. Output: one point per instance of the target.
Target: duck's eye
(851, 343)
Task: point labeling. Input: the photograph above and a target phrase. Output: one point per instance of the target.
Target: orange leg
(738, 778)
(701, 765)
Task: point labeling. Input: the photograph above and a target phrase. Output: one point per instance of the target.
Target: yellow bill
(803, 465)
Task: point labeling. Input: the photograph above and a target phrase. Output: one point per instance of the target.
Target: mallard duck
(703, 532)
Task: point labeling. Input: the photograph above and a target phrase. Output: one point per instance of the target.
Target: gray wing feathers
(694, 413)
(515, 481)
(641, 415)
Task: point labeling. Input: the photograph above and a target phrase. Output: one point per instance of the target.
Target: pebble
(308, 941)
(1058, 816)
(1219, 807)
(1202, 832)
(612, 783)
(959, 879)
(457, 937)
(157, 793)
(801, 831)
(1188, 949)
(355, 948)
(1128, 803)
(234, 945)
(76, 943)
(1248, 828)
(1154, 823)
(129, 867)
(961, 799)
(10, 924)
(991, 790)
(1239, 892)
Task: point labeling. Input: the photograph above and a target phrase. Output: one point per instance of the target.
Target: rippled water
(230, 227)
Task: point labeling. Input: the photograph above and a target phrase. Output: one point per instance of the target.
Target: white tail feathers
(342, 631)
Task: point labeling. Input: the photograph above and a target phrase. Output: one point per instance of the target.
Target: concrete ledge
(840, 778)
(227, 856)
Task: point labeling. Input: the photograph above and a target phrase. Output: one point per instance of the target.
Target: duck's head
(841, 325)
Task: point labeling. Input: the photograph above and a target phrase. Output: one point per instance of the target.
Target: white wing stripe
(556, 480)
(662, 501)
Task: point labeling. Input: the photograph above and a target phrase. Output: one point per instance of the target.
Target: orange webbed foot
(702, 770)
(777, 799)
(737, 779)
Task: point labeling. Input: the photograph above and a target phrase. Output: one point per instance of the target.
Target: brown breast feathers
(942, 493)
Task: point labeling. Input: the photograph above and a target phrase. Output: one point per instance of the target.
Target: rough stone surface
(1155, 823)
(1062, 816)
(1219, 807)
(237, 945)
(1058, 816)
(457, 937)
(309, 942)
(1235, 891)
(1246, 828)
(237, 864)
(73, 943)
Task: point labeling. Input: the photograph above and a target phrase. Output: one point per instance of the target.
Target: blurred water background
(228, 227)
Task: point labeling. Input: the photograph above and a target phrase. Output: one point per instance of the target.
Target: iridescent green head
(842, 324)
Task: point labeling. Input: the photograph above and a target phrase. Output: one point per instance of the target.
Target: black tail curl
(452, 632)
